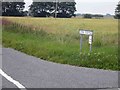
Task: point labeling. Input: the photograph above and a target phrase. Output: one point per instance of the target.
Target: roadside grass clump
(61, 48)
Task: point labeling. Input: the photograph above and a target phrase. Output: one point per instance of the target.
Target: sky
(91, 6)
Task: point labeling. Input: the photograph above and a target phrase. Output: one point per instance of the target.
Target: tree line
(40, 9)
(47, 9)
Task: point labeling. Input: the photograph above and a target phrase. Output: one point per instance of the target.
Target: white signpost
(90, 34)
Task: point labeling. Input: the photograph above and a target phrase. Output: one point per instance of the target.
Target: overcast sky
(91, 6)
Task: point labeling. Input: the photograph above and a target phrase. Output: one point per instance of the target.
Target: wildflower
(88, 54)
(98, 59)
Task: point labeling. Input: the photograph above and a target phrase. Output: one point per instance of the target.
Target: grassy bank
(63, 47)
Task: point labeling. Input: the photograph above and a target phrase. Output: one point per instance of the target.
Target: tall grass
(62, 47)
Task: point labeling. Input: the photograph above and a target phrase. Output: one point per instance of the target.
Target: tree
(0, 8)
(117, 11)
(12, 8)
(66, 9)
(40, 9)
(46, 9)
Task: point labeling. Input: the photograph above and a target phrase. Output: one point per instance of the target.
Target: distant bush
(97, 16)
(87, 16)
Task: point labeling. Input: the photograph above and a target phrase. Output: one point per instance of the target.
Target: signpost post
(90, 34)
(81, 37)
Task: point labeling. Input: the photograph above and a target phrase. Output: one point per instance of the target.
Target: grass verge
(61, 49)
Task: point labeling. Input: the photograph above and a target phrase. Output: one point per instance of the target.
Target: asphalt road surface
(33, 72)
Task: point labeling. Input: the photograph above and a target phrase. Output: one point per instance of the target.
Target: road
(33, 72)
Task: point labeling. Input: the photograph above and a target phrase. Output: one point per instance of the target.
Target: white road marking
(20, 86)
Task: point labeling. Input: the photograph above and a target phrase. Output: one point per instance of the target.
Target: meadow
(58, 40)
